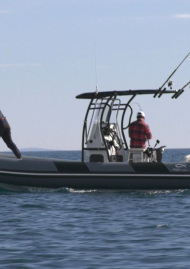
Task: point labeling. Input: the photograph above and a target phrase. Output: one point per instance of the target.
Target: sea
(89, 229)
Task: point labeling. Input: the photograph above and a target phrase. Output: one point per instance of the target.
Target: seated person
(139, 131)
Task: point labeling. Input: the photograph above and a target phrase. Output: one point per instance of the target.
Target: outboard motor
(186, 159)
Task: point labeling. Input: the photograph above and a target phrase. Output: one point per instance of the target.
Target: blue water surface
(95, 229)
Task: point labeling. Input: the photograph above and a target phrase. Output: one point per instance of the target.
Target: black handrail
(101, 124)
(122, 120)
(84, 128)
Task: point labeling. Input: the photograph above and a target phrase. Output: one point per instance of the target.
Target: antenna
(95, 69)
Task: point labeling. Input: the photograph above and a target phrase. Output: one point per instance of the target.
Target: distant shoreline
(39, 150)
(43, 150)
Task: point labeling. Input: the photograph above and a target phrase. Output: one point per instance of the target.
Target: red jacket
(139, 132)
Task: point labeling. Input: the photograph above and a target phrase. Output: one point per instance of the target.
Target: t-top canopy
(99, 95)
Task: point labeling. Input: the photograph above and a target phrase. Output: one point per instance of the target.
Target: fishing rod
(138, 105)
(171, 75)
(180, 91)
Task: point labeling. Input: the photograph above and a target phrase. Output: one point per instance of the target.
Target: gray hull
(52, 173)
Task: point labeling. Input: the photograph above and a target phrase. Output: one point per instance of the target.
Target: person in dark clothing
(5, 133)
(139, 132)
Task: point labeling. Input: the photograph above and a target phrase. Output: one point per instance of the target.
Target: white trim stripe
(91, 175)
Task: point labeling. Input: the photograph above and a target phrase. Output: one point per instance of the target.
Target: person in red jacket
(139, 132)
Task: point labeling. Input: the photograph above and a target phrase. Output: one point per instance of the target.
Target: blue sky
(47, 57)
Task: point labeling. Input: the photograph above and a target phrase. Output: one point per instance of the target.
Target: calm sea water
(95, 229)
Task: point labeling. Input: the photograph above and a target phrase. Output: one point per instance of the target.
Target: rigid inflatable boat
(106, 162)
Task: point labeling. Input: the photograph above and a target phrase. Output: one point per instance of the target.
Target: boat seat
(136, 155)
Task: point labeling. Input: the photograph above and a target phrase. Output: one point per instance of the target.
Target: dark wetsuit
(5, 133)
